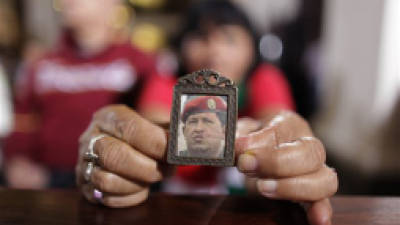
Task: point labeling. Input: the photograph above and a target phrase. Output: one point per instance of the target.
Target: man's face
(204, 134)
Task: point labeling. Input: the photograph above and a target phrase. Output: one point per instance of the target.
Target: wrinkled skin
(281, 159)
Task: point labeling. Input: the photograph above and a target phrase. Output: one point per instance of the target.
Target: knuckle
(112, 158)
(99, 113)
(326, 187)
(301, 122)
(153, 176)
(333, 182)
(275, 164)
(87, 133)
(298, 118)
(119, 107)
(127, 129)
(111, 117)
(112, 155)
(101, 146)
(108, 108)
(158, 144)
(318, 153)
(83, 137)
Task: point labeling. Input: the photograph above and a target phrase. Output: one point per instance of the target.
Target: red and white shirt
(62, 90)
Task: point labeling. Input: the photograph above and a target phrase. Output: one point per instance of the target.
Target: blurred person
(57, 94)
(224, 41)
(10, 36)
(33, 51)
(217, 36)
(301, 58)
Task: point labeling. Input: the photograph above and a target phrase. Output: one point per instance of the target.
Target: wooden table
(68, 208)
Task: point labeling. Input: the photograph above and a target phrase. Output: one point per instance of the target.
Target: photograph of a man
(203, 122)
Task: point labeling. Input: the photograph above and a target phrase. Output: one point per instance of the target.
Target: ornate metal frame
(204, 82)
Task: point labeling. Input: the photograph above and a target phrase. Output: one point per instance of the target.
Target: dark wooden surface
(68, 208)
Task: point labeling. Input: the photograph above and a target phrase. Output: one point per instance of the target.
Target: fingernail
(267, 187)
(247, 162)
(324, 219)
(98, 195)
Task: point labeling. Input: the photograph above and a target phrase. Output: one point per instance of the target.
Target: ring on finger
(88, 172)
(90, 156)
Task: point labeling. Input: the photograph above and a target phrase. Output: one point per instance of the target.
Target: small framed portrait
(203, 120)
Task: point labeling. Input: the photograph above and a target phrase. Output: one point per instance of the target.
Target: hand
(129, 157)
(283, 160)
(25, 174)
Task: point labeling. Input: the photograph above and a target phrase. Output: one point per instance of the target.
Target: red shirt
(266, 88)
(64, 89)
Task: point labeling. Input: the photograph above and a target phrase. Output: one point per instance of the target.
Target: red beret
(203, 104)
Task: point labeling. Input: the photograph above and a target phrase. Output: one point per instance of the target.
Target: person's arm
(20, 147)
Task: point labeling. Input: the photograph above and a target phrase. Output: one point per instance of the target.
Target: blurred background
(339, 57)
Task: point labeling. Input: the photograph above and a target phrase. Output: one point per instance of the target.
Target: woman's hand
(128, 161)
(283, 160)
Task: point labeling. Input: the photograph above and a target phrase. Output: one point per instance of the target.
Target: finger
(286, 160)
(310, 187)
(88, 192)
(91, 132)
(320, 212)
(111, 183)
(125, 124)
(245, 126)
(285, 127)
(116, 201)
(120, 158)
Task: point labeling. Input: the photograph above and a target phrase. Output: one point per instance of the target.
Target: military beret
(203, 104)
